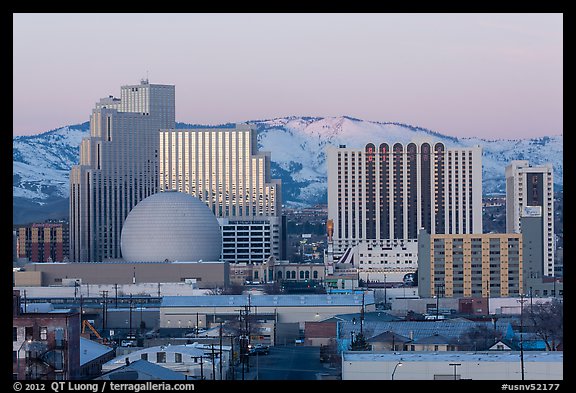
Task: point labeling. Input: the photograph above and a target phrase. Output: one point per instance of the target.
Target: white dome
(171, 225)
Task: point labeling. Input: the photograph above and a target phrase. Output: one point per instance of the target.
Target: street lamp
(395, 367)
(455, 365)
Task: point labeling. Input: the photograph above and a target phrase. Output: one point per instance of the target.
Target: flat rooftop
(268, 300)
(454, 356)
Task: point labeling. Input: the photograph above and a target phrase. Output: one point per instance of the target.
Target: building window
(315, 274)
(144, 356)
(178, 358)
(160, 357)
(14, 333)
(301, 274)
(28, 333)
(43, 333)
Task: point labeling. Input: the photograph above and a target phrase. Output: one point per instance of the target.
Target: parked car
(129, 341)
(258, 349)
(152, 334)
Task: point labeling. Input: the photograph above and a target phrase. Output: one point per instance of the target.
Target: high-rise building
(470, 265)
(379, 196)
(530, 192)
(223, 168)
(118, 167)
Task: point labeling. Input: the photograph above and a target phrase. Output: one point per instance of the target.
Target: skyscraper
(223, 168)
(530, 193)
(118, 167)
(380, 196)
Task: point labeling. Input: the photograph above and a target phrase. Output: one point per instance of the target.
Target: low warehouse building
(502, 365)
(190, 311)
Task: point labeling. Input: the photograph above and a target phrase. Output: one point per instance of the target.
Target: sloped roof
(389, 336)
(142, 370)
(433, 339)
(90, 350)
(509, 345)
(381, 316)
(413, 329)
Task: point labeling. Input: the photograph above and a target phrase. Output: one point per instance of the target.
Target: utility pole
(362, 317)
(232, 357)
(213, 363)
(220, 350)
(201, 368)
(242, 343)
(531, 301)
(522, 300)
(116, 294)
(385, 296)
(247, 310)
(104, 309)
(141, 317)
(437, 301)
(130, 332)
(488, 297)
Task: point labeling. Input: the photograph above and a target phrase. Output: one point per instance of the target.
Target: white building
(193, 360)
(223, 168)
(118, 167)
(492, 365)
(184, 311)
(530, 192)
(380, 196)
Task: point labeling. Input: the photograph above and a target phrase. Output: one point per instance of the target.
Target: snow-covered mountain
(297, 144)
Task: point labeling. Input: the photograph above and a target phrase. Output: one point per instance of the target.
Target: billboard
(532, 211)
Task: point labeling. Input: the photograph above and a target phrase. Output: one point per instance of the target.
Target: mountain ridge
(41, 162)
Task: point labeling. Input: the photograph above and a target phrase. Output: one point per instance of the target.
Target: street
(288, 363)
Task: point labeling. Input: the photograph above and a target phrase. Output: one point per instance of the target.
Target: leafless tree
(477, 338)
(546, 320)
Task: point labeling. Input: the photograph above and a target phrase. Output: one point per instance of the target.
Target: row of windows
(29, 333)
(291, 274)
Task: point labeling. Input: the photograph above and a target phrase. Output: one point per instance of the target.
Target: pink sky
(485, 75)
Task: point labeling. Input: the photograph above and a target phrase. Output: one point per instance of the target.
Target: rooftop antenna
(144, 81)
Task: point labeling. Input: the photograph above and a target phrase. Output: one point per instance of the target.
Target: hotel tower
(223, 168)
(381, 195)
(118, 167)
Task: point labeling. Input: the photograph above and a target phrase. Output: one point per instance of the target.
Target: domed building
(171, 226)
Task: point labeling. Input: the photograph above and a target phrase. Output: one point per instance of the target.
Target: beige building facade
(204, 274)
(470, 265)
